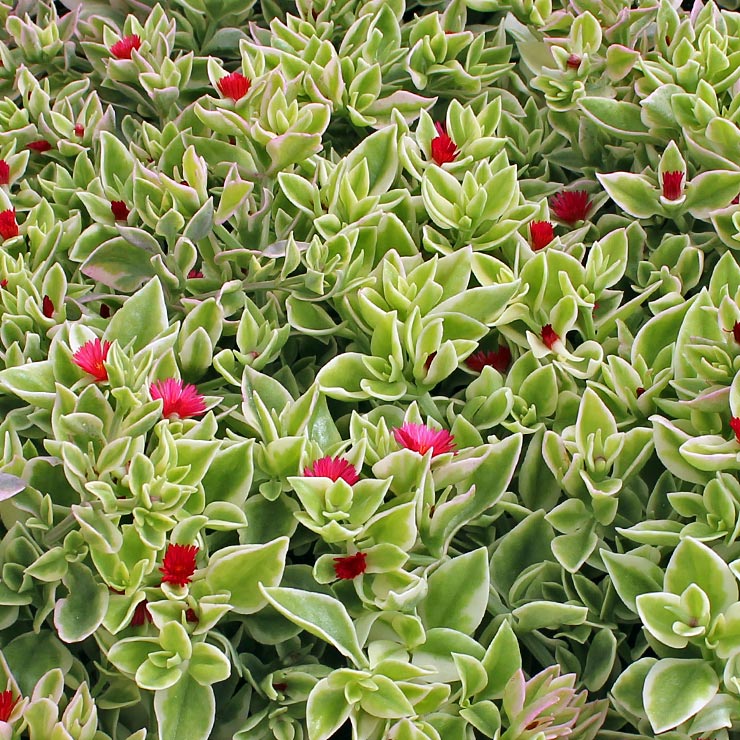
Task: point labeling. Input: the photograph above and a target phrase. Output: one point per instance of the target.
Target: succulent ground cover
(369, 369)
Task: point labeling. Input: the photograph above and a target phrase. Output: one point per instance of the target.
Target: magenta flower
(541, 234)
(443, 147)
(350, 566)
(119, 209)
(7, 704)
(8, 224)
(549, 336)
(421, 438)
(571, 206)
(334, 468)
(40, 145)
(499, 359)
(194, 274)
(79, 130)
(4, 172)
(91, 356)
(122, 49)
(178, 564)
(735, 426)
(234, 86)
(672, 185)
(47, 307)
(178, 400)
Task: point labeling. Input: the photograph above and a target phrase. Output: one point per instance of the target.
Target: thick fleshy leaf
(186, 709)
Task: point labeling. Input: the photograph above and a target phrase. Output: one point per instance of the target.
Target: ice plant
(350, 566)
(178, 400)
(234, 86)
(498, 359)
(735, 426)
(91, 358)
(571, 206)
(123, 47)
(79, 130)
(178, 564)
(7, 704)
(105, 310)
(4, 172)
(40, 145)
(421, 438)
(194, 274)
(119, 209)
(573, 61)
(47, 307)
(443, 147)
(334, 468)
(8, 224)
(673, 185)
(549, 336)
(541, 233)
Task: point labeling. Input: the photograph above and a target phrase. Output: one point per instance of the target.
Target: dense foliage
(369, 368)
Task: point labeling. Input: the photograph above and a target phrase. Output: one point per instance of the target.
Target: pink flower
(7, 704)
(541, 234)
(119, 209)
(40, 145)
(234, 86)
(350, 566)
(181, 401)
(8, 224)
(498, 359)
(735, 426)
(420, 438)
(334, 468)
(4, 172)
(443, 147)
(548, 335)
(91, 356)
(47, 307)
(571, 206)
(672, 185)
(178, 564)
(122, 49)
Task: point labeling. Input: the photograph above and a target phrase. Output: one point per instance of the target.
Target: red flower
(735, 201)
(191, 616)
(47, 307)
(8, 224)
(571, 206)
(141, 614)
(4, 283)
(182, 401)
(549, 337)
(91, 356)
(7, 704)
(443, 147)
(541, 234)
(574, 61)
(119, 209)
(40, 145)
(122, 49)
(4, 172)
(498, 359)
(735, 426)
(334, 468)
(234, 86)
(79, 130)
(178, 564)
(194, 274)
(420, 438)
(350, 566)
(672, 185)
